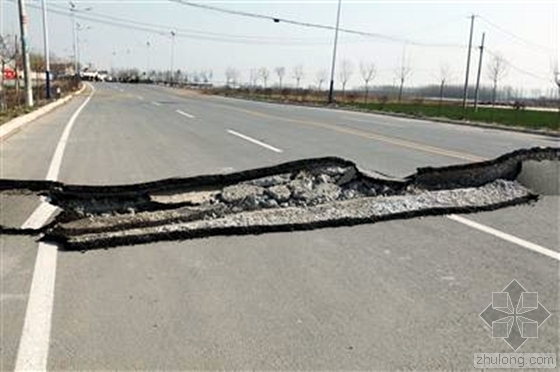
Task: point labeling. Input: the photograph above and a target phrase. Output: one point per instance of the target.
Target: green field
(504, 116)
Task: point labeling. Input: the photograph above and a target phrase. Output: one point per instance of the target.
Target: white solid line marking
(156, 103)
(56, 161)
(40, 216)
(34, 343)
(33, 348)
(257, 142)
(184, 114)
(510, 238)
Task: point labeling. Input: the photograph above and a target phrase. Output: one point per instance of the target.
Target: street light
(148, 45)
(73, 10)
(79, 28)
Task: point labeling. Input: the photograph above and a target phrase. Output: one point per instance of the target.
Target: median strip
(256, 142)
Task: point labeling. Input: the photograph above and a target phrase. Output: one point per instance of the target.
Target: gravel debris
(304, 194)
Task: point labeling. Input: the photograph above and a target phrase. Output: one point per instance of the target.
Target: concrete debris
(305, 194)
(240, 193)
(280, 193)
(280, 179)
(194, 198)
(348, 175)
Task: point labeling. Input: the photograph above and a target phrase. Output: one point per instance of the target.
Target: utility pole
(47, 58)
(1, 18)
(78, 28)
(147, 58)
(465, 89)
(476, 91)
(331, 88)
(16, 58)
(74, 42)
(25, 54)
(172, 57)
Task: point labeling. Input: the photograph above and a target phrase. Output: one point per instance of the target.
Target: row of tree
(496, 70)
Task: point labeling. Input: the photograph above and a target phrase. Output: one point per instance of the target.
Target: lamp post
(148, 45)
(331, 88)
(173, 33)
(79, 28)
(47, 59)
(73, 10)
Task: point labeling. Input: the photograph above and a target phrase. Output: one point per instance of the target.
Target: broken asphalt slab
(299, 195)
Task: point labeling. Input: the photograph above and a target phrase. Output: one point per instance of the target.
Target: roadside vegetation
(515, 114)
(12, 89)
(12, 99)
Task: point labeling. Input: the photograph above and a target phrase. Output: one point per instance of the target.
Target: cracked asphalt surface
(394, 295)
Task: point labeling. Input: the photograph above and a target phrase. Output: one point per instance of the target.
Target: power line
(516, 37)
(194, 31)
(230, 38)
(518, 69)
(313, 25)
(163, 30)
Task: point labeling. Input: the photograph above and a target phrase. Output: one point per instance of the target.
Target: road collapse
(300, 195)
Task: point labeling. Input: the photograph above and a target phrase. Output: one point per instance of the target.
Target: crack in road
(298, 195)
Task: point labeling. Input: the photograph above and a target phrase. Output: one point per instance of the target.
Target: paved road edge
(545, 133)
(15, 125)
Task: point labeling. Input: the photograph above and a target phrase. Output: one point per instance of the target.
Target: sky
(426, 35)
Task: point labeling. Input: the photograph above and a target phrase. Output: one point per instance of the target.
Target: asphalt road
(392, 295)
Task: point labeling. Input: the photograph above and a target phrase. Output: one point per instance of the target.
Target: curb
(546, 133)
(13, 126)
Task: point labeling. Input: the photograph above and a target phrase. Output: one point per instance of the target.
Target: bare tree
(321, 78)
(8, 53)
(236, 77)
(231, 76)
(367, 70)
(297, 73)
(556, 74)
(253, 77)
(402, 74)
(345, 72)
(280, 72)
(497, 69)
(195, 76)
(264, 74)
(178, 75)
(206, 75)
(556, 80)
(444, 76)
